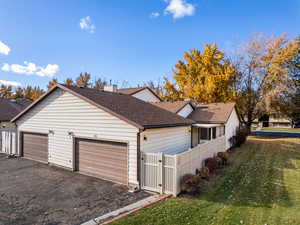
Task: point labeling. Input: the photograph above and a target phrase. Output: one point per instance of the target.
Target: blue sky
(131, 40)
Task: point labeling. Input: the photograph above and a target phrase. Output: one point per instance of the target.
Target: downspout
(139, 158)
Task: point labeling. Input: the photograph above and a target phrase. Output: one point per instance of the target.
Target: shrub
(219, 161)
(241, 137)
(190, 183)
(224, 156)
(211, 164)
(204, 173)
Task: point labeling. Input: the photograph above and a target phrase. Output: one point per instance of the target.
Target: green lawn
(274, 129)
(261, 186)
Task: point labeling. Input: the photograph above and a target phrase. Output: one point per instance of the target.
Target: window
(205, 134)
(214, 132)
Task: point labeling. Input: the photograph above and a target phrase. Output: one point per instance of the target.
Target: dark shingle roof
(212, 113)
(9, 108)
(173, 107)
(128, 108)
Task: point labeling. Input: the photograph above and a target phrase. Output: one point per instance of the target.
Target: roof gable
(133, 91)
(130, 109)
(173, 107)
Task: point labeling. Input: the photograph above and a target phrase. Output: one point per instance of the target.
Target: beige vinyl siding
(167, 140)
(146, 96)
(185, 111)
(231, 127)
(63, 113)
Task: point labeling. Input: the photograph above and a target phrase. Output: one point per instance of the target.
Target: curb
(125, 211)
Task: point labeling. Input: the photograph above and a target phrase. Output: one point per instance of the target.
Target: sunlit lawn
(260, 186)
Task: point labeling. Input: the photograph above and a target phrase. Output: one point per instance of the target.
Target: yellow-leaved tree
(203, 77)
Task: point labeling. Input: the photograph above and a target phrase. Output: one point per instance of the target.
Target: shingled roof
(135, 111)
(173, 107)
(9, 108)
(212, 113)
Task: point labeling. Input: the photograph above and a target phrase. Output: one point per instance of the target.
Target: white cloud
(50, 70)
(154, 15)
(30, 68)
(4, 49)
(10, 83)
(87, 24)
(179, 8)
(5, 67)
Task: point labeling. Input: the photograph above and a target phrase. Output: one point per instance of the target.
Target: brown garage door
(102, 159)
(35, 146)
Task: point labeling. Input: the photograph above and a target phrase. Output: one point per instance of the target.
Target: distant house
(103, 133)
(273, 120)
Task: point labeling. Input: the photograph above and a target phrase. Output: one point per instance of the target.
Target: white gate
(8, 140)
(150, 176)
(158, 172)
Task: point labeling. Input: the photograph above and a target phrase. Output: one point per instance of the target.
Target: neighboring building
(276, 120)
(9, 108)
(273, 120)
(102, 133)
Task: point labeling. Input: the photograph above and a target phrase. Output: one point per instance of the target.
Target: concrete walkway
(126, 210)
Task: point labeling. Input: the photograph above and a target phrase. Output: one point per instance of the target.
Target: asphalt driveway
(276, 134)
(34, 193)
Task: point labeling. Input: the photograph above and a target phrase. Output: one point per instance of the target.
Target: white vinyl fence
(8, 140)
(163, 172)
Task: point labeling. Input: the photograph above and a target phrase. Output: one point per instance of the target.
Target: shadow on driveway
(34, 193)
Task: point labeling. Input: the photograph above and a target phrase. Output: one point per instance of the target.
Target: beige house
(103, 133)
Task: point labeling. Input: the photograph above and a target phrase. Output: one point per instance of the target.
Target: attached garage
(104, 159)
(35, 146)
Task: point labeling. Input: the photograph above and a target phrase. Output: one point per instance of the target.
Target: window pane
(204, 134)
(214, 132)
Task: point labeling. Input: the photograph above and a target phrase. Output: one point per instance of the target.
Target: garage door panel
(112, 148)
(106, 171)
(103, 153)
(35, 146)
(103, 159)
(122, 163)
(103, 164)
(102, 150)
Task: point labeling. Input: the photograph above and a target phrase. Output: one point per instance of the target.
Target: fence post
(161, 172)
(175, 189)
